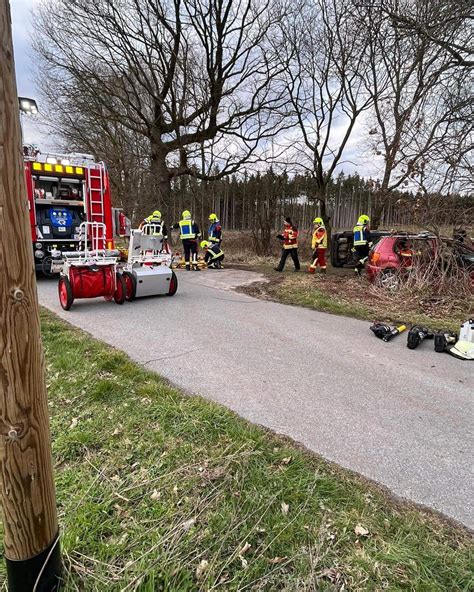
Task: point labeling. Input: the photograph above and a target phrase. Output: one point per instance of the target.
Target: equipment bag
(91, 282)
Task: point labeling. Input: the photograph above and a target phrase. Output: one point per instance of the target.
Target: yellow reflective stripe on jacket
(359, 238)
(186, 229)
(319, 241)
(215, 255)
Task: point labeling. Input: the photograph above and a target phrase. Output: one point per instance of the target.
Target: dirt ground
(340, 292)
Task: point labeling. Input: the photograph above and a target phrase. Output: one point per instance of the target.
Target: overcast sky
(23, 28)
(22, 13)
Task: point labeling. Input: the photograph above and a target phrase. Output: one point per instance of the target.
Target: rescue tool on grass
(416, 335)
(386, 332)
(461, 347)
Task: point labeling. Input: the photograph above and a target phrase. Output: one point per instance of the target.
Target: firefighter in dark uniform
(214, 255)
(189, 234)
(362, 242)
(214, 232)
(290, 245)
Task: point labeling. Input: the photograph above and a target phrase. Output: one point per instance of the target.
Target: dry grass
(356, 297)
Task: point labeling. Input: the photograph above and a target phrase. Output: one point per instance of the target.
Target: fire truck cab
(65, 190)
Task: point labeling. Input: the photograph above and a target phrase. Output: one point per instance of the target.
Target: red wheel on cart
(120, 290)
(173, 284)
(66, 297)
(131, 285)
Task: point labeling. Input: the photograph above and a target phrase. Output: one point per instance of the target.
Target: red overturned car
(393, 255)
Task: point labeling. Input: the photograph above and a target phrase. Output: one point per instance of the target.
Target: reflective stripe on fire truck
(57, 168)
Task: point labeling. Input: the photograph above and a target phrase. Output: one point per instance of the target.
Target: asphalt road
(402, 418)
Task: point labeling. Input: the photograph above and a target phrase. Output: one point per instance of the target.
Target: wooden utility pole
(26, 473)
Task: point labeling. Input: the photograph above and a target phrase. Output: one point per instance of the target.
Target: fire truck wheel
(46, 267)
(173, 284)
(131, 285)
(120, 290)
(65, 293)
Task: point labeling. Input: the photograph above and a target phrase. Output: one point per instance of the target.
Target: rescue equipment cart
(148, 270)
(91, 271)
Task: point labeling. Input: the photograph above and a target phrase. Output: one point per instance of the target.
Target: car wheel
(131, 285)
(66, 297)
(388, 279)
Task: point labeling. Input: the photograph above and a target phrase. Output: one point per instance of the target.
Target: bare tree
(446, 23)
(413, 111)
(325, 80)
(181, 74)
(448, 168)
(125, 152)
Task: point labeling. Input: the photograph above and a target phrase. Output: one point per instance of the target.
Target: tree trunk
(161, 181)
(380, 201)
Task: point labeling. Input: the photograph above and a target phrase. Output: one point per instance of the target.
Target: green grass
(161, 491)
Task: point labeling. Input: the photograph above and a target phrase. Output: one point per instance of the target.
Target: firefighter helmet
(186, 215)
(156, 214)
(364, 219)
(204, 244)
(212, 217)
(318, 221)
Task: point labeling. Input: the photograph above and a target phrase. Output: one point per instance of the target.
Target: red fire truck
(65, 190)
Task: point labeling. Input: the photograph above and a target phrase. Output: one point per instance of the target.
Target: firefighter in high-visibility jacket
(319, 244)
(189, 234)
(214, 255)
(157, 225)
(290, 245)
(214, 232)
(362, 242)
